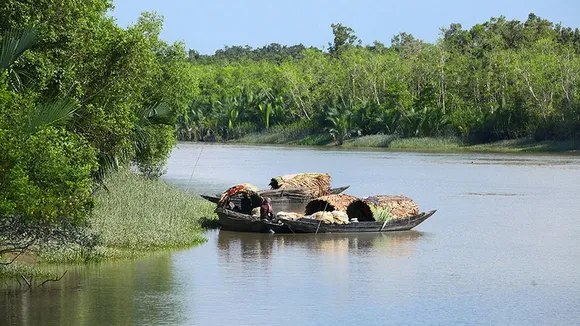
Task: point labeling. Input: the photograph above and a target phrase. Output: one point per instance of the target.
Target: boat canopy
(243, 188)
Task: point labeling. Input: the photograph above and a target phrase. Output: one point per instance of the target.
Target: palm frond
(14, 43)
(55, 113)
(159, 113)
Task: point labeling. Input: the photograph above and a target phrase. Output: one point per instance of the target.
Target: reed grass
(427, 143)
(300, 133)
(527, 145)
(371, 141)
(275, 135)
(381, 214)
(137, 216)
(33, 274)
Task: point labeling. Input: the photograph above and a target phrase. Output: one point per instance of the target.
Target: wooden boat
(305, 225)
(236, 221)
(277, 196)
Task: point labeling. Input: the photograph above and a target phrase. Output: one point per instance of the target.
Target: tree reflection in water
(116, 293)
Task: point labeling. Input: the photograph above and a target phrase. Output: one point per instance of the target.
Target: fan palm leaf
(14, 42)
(53, 113)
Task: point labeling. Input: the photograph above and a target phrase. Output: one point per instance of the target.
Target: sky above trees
(208, 25)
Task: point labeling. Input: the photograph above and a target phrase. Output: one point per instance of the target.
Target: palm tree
(340, 119)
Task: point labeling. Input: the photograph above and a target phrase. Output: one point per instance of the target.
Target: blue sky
(208, 25)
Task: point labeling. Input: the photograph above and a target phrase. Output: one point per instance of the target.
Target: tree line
(501, 79)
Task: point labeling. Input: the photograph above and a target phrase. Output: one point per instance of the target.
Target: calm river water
(503, 249)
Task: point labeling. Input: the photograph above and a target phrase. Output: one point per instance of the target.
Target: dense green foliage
(498, 80)
(79, 96)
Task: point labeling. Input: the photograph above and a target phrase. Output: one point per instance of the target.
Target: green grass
(370, 141)
(381, 214)
(427, 143)
(527, 145)
(275, 135)
(33, 274)
(315, 140)
(300, 135)
(137, 216)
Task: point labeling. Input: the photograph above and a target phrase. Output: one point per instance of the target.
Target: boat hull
(315, 226)
(235, 221)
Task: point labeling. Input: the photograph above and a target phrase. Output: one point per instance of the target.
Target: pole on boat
(325, 206)
(317, 227)
(382, 227)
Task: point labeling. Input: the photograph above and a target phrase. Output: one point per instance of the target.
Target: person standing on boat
(266, 211)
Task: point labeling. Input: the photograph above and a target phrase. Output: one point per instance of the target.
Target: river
(503, 249)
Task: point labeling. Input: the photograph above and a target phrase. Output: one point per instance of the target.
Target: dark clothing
(256, 201)
(246, 204)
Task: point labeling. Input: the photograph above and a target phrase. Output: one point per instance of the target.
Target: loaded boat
(309, 225)
(370, 214)
(231, 218)
(292, 188)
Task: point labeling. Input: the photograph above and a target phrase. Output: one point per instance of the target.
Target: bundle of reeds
(315, 184)
(381, 214)
(386, 207)
(329, 203)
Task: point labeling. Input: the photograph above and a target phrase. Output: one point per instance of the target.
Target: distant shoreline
(426, 144)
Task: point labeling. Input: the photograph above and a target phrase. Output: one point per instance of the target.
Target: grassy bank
(294, 136)
(135, 217)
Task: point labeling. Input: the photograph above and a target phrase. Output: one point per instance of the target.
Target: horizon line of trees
(501, 79)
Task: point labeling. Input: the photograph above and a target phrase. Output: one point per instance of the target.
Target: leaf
(14, 43)
(54, 113)
(268, 112)
(159, 113)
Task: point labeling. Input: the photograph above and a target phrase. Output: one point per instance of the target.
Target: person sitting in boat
(266, 211)
(246, 204)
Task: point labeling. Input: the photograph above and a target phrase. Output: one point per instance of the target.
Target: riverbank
(133, 217)
(289, 136)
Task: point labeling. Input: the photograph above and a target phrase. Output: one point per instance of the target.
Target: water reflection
(238, 246)
(116, 294)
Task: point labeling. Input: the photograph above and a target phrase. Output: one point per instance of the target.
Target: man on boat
(266, 211)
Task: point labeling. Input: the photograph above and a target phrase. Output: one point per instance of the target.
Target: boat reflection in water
(239, 245)
(338, 262)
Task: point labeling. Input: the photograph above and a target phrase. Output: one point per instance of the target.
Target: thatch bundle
(397, 207)
(329, 203)
(314, 184)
